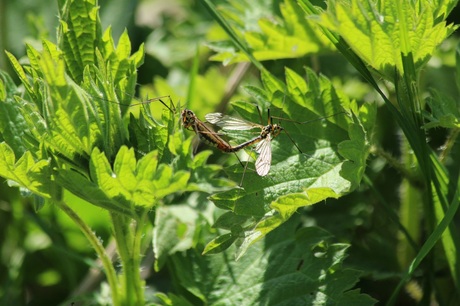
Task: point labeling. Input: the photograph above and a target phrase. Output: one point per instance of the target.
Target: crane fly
(206, 134)
(191, 122)
(263, 140)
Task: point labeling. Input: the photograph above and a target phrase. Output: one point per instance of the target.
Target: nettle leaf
(374, 31)
(175, 229)
(289, 268)
(21, 73)
(78, 35)
(59, 117)
(331, 164)
(273, 37)
(444, 111)
(69, 119)
(146, 139)
(122, 64)
(129, 186)
(203, 176)
(26, 172)
(140, 183)
(12, 123)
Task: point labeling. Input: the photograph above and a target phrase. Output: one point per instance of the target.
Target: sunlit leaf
(331, 164)
(374, 31)
(77, 35)
(290, 35)
(290, 268)
(26, 172)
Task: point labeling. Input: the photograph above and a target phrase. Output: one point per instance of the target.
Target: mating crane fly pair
(263, 140)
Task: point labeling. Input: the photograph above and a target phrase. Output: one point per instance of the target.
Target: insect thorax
(271, 129)
(188, 118)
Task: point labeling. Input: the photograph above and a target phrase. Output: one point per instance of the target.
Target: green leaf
(26, 172)
(270, 37)
(78, 32)
(289, 268)
(331, 164)
(132, 183)
(21, 73)
(12, 123)
(167, 183)
(444, 111)
(123, 183)
(146, 139)
(85, 189)
(376, 34)
(220, 244)
(175, 226)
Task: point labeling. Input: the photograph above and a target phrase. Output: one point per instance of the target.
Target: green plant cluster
(74, 137)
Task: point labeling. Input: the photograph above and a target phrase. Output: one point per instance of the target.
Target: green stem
(128, 244)
(448, 145)
(98, 247)
(138, 234)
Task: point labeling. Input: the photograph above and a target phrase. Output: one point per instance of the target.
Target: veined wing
(230, 123)
(264, 160)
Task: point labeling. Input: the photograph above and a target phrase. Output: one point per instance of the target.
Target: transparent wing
(230, 123)
(264, 160)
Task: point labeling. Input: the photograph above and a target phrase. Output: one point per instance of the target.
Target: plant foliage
(331, 162)
(73, 135)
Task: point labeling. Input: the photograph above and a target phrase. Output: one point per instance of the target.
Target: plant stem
(449, 144)
(98, 247)
(129, 250)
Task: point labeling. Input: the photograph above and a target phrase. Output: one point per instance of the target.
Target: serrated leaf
(20, 72)
(121, 183)
(332, 161)
(178, 182)
(12, 123)
(270, 37)
(146, 139)
(173, 232)
(289, 268)
(79, 28)
(376, 33)
(26, 172)
(444, 111)
(91, 192)
(135, 183)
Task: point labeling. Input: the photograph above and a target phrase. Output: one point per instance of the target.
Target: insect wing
(264, 160)
(230, 123)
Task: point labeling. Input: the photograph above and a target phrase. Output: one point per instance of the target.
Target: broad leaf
(78, 37)
(12, 124)
(377, 31)
(27, 173)
(289, 268)
(331, 162)
(444, 111)
(269, 36)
